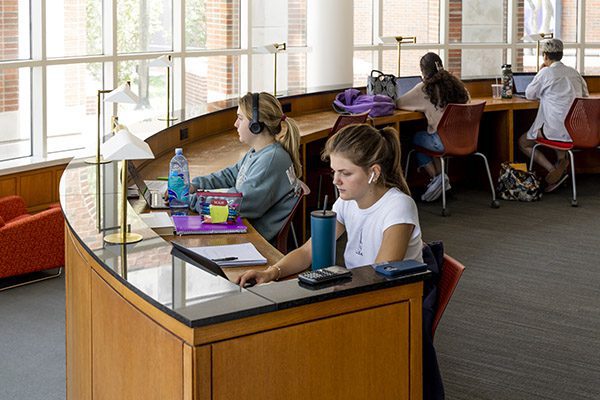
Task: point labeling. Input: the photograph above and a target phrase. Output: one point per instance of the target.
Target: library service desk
(144, 324)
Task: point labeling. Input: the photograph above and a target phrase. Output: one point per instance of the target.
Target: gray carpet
(524, 322)
(32, 341)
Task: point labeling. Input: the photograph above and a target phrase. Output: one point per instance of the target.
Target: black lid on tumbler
(323, 214)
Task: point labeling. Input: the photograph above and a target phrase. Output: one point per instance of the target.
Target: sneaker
(557, 173)
(434, 189)
(554, 186)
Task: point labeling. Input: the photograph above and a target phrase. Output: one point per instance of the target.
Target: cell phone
(324, 275)
(398, 268)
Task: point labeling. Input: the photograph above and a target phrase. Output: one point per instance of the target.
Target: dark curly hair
(440, 86)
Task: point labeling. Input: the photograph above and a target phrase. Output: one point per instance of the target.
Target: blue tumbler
(322, 226)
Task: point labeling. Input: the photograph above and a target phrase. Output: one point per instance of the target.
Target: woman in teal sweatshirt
(268, 175)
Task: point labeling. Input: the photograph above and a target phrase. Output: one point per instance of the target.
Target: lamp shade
(162, 61)
(271, 48)
(122, 94)
(125, 146)
(388, 39)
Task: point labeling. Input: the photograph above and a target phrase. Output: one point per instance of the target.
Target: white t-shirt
(365, 227)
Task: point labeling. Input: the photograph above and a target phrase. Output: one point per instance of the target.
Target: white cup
(496, 91)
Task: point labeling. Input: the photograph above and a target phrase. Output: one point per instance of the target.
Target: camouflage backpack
(514, 184)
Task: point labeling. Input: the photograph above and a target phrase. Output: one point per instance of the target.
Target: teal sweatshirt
(268, 183)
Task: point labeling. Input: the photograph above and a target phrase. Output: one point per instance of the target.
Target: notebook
(159, 221)
(146, 188)
(231, 255)
(406, 83)
(193, 225)
(520, 82)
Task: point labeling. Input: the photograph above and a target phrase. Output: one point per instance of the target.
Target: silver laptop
(520, 82)
(146, 188)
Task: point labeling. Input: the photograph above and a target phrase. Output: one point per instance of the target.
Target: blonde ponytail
(272, 116)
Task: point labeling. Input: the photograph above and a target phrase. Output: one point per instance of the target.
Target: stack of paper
(160, 222)
(232, 255)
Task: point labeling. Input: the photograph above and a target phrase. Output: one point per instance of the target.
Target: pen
(224, 259)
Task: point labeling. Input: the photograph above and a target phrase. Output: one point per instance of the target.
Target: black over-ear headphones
(255, 126)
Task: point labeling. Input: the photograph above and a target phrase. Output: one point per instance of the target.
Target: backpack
(352, 101)
(515, 184)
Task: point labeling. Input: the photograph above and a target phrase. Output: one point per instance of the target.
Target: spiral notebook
(193, 225)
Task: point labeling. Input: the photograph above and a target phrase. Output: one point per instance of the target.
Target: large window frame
(444, 47)
(110, 58)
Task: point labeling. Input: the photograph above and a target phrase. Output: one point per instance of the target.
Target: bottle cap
(178, 151)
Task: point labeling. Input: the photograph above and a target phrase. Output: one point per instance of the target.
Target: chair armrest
(11, 207)
(32, 243)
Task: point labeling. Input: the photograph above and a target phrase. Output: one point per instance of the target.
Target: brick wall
(222, 27)
(9, 78)
(296, 37)
(455, 36)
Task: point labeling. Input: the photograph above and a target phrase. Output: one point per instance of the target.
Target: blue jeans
(429, 141)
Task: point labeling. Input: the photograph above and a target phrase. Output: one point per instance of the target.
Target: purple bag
(352, 101)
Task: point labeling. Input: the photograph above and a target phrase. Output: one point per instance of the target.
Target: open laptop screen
(522, 80)
(406, 83)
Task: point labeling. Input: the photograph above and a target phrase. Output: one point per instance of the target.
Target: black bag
(514, 184)
(380, 83)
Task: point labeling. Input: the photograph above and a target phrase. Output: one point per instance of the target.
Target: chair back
(459, 128)
(348, 119)
(583, 122)
(281, 240)
(450, 275)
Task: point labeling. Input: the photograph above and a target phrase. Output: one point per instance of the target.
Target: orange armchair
(29, 243)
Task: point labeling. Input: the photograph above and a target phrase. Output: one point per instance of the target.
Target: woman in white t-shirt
(374, 205)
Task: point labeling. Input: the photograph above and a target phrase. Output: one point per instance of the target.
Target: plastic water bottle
(179, 183)
(507, 81)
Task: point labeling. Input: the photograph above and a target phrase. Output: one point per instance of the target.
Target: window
(15, 31)
(74, 28)
(144, 25)
(72, 113)
(15, 113)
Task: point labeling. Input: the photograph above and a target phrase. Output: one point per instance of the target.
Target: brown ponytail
(365, 146)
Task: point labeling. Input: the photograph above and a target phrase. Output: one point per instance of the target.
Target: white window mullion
(178, 75)
(246, 23)
(444, 27)
(378, 30)
(581, 36)
(39, 126)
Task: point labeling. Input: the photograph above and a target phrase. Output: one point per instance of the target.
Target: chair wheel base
(574, 203)
(495, 204)
(445, 212)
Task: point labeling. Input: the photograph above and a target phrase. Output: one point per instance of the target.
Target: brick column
(9, 50)
(455, 36)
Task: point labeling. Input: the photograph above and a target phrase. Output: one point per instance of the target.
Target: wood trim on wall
(38, 187)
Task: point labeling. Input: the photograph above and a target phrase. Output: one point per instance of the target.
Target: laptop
(406, 83)
(520, 82)
(190, 256)
(145, 188)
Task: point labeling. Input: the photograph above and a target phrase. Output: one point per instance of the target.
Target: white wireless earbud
(371, 177)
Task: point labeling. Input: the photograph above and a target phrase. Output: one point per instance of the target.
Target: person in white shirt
(556, 86)
(374, 205)
(439, 87)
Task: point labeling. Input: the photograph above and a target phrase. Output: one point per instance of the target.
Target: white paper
(159, 219)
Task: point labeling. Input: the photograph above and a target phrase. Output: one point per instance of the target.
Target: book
(193, 225)
(232, 255)
(160, 222)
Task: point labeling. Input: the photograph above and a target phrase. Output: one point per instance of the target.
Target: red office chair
(451, 272)
(459, 132)
(30, 243)
(281, 240)
(583, 124)
(341, 122)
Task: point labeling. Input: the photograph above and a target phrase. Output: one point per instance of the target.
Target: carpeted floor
(524, 322)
